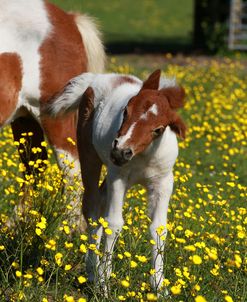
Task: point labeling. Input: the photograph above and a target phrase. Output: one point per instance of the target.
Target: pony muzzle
(121, 156)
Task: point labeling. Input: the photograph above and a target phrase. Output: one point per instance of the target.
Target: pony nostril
(114, 144)
(127, 154)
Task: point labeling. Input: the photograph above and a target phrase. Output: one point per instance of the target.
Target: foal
(130, 126)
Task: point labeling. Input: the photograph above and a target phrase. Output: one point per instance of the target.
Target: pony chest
(143, 169)
(157, 160)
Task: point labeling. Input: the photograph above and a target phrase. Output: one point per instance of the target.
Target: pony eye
(158, 131)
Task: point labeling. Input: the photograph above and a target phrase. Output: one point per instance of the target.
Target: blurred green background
(143, 22)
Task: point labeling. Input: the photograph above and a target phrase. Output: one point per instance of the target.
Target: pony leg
(92, 205)
(25, 125)
(58, 130)
(159, 192)
(116, 188)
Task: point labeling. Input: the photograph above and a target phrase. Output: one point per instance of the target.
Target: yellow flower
(215, 271)
(197, 287)
(152, 297)
(103, 222)
(51, 245)
(196, 259)
(160, 230)
(81, 279)
(200, 299)
(15, 264)
(228, 298)
(241, 234)
(70, 140)
(125, 283)
(133, 264)
(68, 245)
(40, 226)
(238, 260)
(69, 298)
(38, 231)
(58, 258)
(2, 247)
(108, 231)
(66, 229)
(18, 274)
(28, 276)
(190, 248)
(142, 259)
(127, 254)
(40, 271)
(83, 248)
(152, 271)
(166, 282)
(176, 289)
(81, 300)
(83, 237)
(44, 144)
(68, 267)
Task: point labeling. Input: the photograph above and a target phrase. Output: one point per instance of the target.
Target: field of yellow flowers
(42, 254)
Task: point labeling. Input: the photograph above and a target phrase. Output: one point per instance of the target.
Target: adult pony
(41, 48)
(130, 126)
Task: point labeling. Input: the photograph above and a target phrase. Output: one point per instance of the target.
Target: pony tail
(92, 39)
(69, 98)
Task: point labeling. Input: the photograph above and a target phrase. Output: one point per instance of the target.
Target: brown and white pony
(41, 48)
(130, 126)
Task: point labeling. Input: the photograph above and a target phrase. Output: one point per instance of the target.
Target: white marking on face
(153, 109)
(123, 139)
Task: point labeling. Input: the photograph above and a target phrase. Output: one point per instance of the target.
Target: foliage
(42, 253)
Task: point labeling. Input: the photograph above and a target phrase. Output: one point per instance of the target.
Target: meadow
(42, 254)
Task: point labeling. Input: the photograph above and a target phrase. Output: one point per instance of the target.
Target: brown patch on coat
(10, 84)
(63, 57)
(120, 80)
(59, 129)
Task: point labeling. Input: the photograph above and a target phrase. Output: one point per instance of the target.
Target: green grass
(207, 214)
(169, 21)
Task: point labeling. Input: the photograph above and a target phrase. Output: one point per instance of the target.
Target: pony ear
(152, 81)
(178, 126)
(175, 96)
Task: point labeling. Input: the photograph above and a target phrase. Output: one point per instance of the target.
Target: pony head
(146, 117)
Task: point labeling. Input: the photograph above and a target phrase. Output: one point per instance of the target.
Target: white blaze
(123, 139)
(153, 109)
